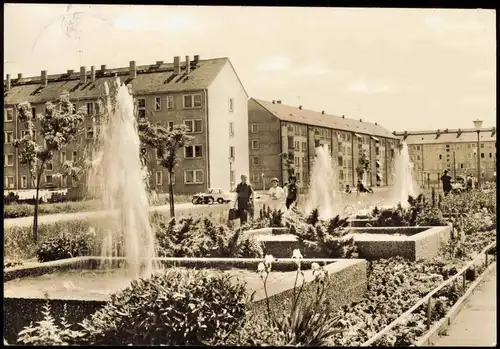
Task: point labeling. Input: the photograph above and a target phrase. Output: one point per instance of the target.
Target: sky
(406, 69)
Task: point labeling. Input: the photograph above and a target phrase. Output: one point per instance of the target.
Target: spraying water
(117, 177)
(324, 190)
(404, 184)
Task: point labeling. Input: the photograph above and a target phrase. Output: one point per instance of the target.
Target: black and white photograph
(180, 175)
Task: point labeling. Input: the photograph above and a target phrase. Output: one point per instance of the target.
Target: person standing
(276, 194)
(446, 181)
(245, 199)
(292, 192)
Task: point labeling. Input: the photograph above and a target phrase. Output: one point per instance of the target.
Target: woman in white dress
(276, 195)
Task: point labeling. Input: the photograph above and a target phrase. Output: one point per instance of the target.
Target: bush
(180, 307)
(62, 247)
(16, 210)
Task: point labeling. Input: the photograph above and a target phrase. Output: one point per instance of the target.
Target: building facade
(205, 95)
(283, 137)
(456, 152)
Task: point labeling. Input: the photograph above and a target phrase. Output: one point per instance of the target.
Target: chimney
(45, 80)
(92, 73)
(19, 76)
(188, 66)
(177, 65)
(196, 59)
(376, 123)
(300, 107)
(274, 101)
(83, 75)
(360, 120)
(322, 112)
(70, 71)
(132, 72)
(278, 101)
(7, 82)
(103, 68)
(343, 117)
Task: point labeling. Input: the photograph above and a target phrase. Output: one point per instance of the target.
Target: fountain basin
(412, 243)
(25, 288)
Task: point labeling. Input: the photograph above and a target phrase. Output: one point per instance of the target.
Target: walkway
(476, 324)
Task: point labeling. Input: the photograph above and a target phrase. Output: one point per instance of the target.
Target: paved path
(476, 324)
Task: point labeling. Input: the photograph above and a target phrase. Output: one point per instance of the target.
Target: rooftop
(484, 136)
(155, 78)
(320, 119)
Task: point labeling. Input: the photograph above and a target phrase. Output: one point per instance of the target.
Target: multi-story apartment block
(456, 152)
(283, 136)
(205, 95)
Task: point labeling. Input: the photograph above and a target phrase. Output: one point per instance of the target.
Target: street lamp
(477, 125)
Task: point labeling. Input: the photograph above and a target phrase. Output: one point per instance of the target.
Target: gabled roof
(150, 79)
(314, 118)
(450, 138)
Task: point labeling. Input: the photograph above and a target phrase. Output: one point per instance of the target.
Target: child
(276, 194)
(292, 192)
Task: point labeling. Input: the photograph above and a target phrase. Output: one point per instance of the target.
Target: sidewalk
(476, 324)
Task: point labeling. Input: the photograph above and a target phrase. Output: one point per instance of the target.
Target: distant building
(295, 132)
(432, 154)
(206, 95)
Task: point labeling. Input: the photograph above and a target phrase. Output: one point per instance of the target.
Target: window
(231, 104)
(48, 179)
(33, 111)
(50, 166)
(24, 182)
(159, 178)
(193, 151)
(158, 154)
(418, 147)
(297, 145)
(440, 156)
(255, 144)
(75, 153)
(482, 145)
(377, 151)
(157, 103)
(9, 137)
(473, 145)
(170, 125)
(98, 107)
(192, 101)
(490, 155)
(255, 161)
(193, 126)
(255, 128)
(8, 115)
(172, 178)
(255, 177)
(304, 146)
(231, 128)
(418, 157)
(461, 165)
(9, 182)
(90, 132)
(170, 102)
(290, 141)
(316, 143)
(482, 155)
(231, 152)
(193, 177)
(141, 107)
(468, 145)
(64, 181)
(469, 156)
(9, 159)
(63, 157)
(90, 108)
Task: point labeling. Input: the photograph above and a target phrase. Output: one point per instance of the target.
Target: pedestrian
(292, 192)
(276, 195)
(446, 181)
(348, 189)
(469, 183)
(363, 189)
(245, 199)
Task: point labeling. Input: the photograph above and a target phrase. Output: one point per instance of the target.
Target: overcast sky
(406, 69)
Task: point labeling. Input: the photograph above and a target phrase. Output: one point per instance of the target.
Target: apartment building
(206, 95)
(454, 151)
(283, 137)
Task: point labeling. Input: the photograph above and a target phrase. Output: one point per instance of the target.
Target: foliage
(166, 143)
(10, 263)
(62, 247)
(363, 164)
(288, 159)
(313, 217)
(200, 237)
(59, 126)
(180, 307)
(49, 332)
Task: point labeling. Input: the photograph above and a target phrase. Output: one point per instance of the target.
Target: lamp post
(231, 160)
(477, 125)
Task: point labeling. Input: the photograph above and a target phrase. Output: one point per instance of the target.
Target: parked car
(212, 195)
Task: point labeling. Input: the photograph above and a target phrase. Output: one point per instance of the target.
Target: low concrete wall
(348, 283)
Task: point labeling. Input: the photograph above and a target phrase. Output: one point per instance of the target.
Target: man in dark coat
(245, 200)
(446, 180)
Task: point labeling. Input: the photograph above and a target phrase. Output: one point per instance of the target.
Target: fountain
(324, 191)
(404, 183)
(117, 178)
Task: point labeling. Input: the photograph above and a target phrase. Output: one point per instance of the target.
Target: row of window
(49, 180)
(9, 160)
(456, 146)
(469, 155)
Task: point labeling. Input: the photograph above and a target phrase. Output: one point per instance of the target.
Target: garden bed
(73, 284)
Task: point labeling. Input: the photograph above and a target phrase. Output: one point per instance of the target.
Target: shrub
(180, 307)
(63, 246)
(16, 210)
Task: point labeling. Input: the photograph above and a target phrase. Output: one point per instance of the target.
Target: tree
(166, 142)
(289, 159)
(363, 164)
(59, 125)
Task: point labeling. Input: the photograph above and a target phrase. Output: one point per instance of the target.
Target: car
(212, 195)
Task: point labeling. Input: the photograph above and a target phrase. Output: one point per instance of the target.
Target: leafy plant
(62, 247)
(179, 307)
(313, 217)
